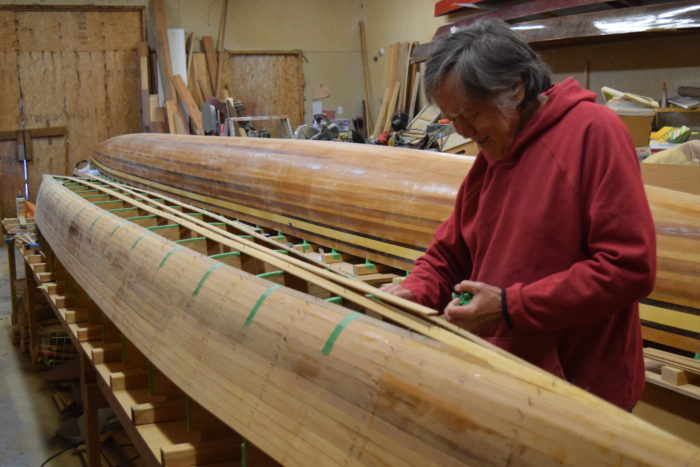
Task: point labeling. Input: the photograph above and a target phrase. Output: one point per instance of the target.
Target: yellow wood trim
(668, 317)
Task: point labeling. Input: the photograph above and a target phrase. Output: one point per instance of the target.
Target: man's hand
(484, 309)
(398, 291)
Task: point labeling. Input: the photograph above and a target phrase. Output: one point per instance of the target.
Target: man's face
(491, 126)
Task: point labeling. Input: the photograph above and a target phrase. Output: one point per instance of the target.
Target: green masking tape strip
(204, 278)
(225, 255)
(260, 302)
(93, 222)
(140, 238)
(117, 227)
(265, 275)
(336, 332)
(168, 255)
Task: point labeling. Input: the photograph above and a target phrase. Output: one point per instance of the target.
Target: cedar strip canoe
(382, 396)
(377, 202)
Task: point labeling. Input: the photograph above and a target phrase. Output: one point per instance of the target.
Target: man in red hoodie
(551, 230)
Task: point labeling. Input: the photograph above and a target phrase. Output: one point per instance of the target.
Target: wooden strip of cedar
(369, 124)
(381, 117)
(143, 67)
(186, 97)
(382, 396)
(163, 47)
(391, 108)
(210, 55)
(677, 361)
(673, 340)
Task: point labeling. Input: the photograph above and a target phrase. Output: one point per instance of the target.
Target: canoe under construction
(294, 356)
(307, 380)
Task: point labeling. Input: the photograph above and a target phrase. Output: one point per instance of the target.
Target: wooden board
(88, 58)
(281, 92)
(379, 396)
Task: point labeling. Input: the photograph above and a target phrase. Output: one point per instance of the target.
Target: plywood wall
(66, 67)
(268, 84)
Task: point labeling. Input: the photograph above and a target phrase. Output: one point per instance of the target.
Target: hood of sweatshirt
(561, 98)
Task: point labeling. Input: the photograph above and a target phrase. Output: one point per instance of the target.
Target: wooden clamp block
(155, 412)
(128, 379)
(62, 301)
(107, 353)
(75, 316)
(206, 452)
(332, 257)
(676, 376)
(39, 267)
(33, 259)
(43, 277)
(365, 268)
(89, 333)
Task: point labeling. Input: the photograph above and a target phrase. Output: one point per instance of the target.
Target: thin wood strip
(210, 55)
(365, 78)
(192, 109)
(678, 361)
(381, 117)
(392, 105)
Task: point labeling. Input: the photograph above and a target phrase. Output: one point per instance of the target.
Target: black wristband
(504, 309)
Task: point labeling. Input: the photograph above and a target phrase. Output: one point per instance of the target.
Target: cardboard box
(639, 127)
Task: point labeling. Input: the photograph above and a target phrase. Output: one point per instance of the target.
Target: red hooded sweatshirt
(562, 223)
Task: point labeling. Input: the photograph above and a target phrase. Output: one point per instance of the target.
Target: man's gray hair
(489, 58)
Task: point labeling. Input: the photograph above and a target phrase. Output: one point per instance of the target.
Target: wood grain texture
(361, 199)
(342, 195)
(73, 67)
(281, 92)
(383, 396)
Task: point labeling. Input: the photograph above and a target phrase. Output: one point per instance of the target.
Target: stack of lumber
(307, 380)
(676, 372)
(402, 86)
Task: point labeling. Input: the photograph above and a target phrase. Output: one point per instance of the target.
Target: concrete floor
(28, 417)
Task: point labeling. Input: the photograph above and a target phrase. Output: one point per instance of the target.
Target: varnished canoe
(379, 203)
(376, 202)
(381, 396)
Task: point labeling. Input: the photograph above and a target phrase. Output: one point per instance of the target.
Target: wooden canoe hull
(383, 205)
(376, 202)
(382, 396)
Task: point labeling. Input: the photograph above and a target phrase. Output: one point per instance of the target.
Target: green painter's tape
(140, 238)
(96, 219)
(260, 302)
(117, 227)
(204, 278)
(168, 255)
(265, 275)
(336, 332)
